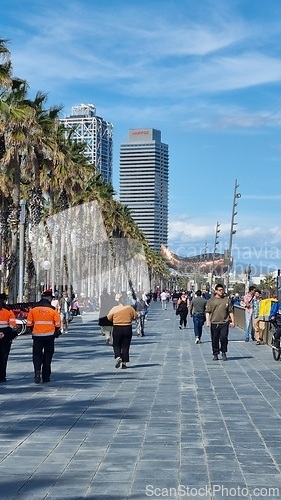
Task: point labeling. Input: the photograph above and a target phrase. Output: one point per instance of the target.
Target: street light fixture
(232, 231)
(214, 253)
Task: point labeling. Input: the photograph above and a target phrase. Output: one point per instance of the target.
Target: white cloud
(96, 46)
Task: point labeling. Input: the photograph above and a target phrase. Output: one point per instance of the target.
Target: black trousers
(43, 350)
(183, 316)
(5, 347)
(122, 336)
(219, 335)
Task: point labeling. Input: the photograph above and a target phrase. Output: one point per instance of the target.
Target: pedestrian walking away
(197, 312)
(7, 334)
(175, 297)
(182, 310)
(64, 309)
(107, 301)
(122, 317)
(248, 304)
(219, 315)
(163, 298)
(45, 322)
(141, 307)
(259, 326)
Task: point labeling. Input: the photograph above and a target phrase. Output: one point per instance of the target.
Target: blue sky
(206, 73)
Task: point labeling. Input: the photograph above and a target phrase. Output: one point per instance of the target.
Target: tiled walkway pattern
(176, 424)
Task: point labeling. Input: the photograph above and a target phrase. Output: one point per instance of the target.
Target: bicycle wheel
(276, 351)
(21, 326)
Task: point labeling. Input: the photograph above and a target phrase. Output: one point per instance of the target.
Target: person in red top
(45, 322)
(7, 334)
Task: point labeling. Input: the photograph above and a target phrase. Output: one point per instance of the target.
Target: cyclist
(275, 318)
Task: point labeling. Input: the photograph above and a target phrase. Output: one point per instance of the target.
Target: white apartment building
(144, 179)
(96, 133)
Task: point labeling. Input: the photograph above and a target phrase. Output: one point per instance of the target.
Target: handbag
(104, 321)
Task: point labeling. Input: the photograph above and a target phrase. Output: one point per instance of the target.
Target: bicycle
(275, 342)
(21, 326)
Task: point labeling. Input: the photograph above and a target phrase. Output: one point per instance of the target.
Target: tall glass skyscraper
(96, 133)
(144, 179)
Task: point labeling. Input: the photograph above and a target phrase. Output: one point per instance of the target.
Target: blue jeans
(249, 326)
(198, 322)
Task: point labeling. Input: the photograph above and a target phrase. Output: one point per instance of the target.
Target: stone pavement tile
(109, 467)
(158, 454)
(233, 475)
(105, 475)
(263, 480)
(267, 469)
(213, 451)
(156, 473)
(10, 484)
(115, 490)
(195, 479)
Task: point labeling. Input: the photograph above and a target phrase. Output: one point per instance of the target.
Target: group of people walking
(45, 321)
(216, 311)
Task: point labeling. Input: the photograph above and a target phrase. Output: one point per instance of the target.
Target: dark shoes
(45, 381)
(215, 357)
(224, 356)
(118, 363)
(124, 367)
(37, 378)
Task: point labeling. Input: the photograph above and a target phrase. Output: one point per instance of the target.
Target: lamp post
(214, 253)
(46, 267)
(248, 271)
(21, 249)
(232, 231)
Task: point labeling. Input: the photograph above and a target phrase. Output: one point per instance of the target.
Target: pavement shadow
(235, 358)
(146, 365)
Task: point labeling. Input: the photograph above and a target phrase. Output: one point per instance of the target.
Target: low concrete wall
(239, 318)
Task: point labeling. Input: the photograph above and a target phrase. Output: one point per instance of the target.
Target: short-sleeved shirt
(219, 309)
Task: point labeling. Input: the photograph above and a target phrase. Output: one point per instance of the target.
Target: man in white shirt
(163, 297)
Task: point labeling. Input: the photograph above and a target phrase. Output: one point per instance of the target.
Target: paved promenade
(175, 424)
